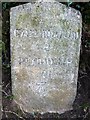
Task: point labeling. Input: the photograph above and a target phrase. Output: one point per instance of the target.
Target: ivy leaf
(3, 46)
(4, 6)
(69, 2)
(10, 97)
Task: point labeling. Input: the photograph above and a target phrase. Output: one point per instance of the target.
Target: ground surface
(81, 106)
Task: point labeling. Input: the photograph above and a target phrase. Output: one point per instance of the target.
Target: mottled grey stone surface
(45, 46)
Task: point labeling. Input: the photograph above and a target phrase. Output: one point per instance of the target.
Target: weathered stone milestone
(45, 47)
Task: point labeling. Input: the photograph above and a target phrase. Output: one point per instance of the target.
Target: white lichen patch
(45, 48)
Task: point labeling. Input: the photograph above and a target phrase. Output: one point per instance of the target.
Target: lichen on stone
(45, 56)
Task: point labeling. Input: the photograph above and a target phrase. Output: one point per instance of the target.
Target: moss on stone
(35, 21)
(21, 19)
(78, 30)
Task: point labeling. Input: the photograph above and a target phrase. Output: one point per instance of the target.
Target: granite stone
(45, 48)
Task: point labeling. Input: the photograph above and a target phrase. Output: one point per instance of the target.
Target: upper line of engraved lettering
(45, 33)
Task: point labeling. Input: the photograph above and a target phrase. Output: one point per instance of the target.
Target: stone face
(45, 46)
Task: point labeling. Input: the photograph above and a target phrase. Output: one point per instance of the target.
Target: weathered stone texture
(45, 46)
